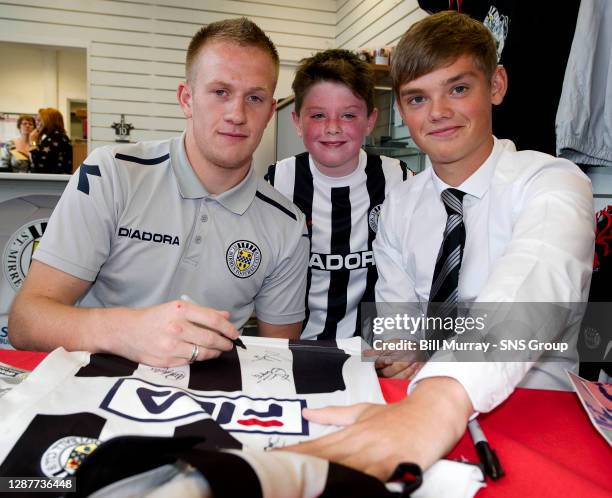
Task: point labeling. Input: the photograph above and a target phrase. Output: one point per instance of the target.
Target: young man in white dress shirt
(529, 228)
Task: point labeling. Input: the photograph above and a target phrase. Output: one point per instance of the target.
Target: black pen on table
(237, 342)
(486, 454)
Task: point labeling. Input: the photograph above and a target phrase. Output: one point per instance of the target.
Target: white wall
(41, 77)
(21, 87)
(72, 80)
(374, 23)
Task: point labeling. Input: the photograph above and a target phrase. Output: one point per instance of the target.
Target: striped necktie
(445, 282)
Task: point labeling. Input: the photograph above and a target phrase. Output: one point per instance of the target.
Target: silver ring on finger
(194, 353)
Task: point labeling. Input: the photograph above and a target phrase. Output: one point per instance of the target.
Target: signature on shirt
(268, 356)
(272, 374)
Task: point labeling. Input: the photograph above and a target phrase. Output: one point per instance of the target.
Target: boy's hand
(386, 367)
(395, 364)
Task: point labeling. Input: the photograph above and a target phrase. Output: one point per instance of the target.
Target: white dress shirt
(530, 237)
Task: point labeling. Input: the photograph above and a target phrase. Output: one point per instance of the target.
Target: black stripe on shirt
(277, 205)
(303, 193)
(42, 433)
(404, 167)
(317, 366)
(221, 374)
(140, 160)
(340, 243)
(107, 365)
(375, 184)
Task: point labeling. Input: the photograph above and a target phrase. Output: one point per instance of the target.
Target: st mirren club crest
(18, 251)
(243, 258)
(66, 455)
(373, 217)
(122, 130)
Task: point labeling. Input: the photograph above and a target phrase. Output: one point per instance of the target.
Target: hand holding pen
(237, 342)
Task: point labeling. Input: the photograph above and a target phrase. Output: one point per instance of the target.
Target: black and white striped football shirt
(252, 398)
(342, 219)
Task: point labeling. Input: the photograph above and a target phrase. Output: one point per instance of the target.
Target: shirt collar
(478, 183)
(341, 180)
(237, 199)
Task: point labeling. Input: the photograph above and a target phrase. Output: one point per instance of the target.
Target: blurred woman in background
(50, 147)
(15, 155)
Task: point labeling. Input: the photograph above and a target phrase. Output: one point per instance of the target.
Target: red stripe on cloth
(262, 423)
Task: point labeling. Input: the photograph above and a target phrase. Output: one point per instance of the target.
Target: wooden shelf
(383, 77)
(381, 68)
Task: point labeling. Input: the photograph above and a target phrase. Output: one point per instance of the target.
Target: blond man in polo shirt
(142, 224)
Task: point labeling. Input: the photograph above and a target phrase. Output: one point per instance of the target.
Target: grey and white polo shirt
(136, 221)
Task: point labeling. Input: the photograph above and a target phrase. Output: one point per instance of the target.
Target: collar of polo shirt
(477, 184)
(236, 199)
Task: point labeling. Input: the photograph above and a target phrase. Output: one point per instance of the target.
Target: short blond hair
(241, 31)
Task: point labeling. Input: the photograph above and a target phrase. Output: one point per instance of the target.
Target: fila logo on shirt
(136, 399)
(352, 261)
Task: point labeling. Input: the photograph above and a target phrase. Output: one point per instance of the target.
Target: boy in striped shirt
(338, 186)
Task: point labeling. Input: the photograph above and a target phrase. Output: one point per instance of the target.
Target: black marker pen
(486, 454)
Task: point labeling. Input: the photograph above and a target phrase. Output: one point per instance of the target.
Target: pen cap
(489, 459)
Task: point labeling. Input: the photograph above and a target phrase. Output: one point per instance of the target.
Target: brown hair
(335, 65)
(25, 117)
(52, 120)
(438, 40)
(241, 31)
